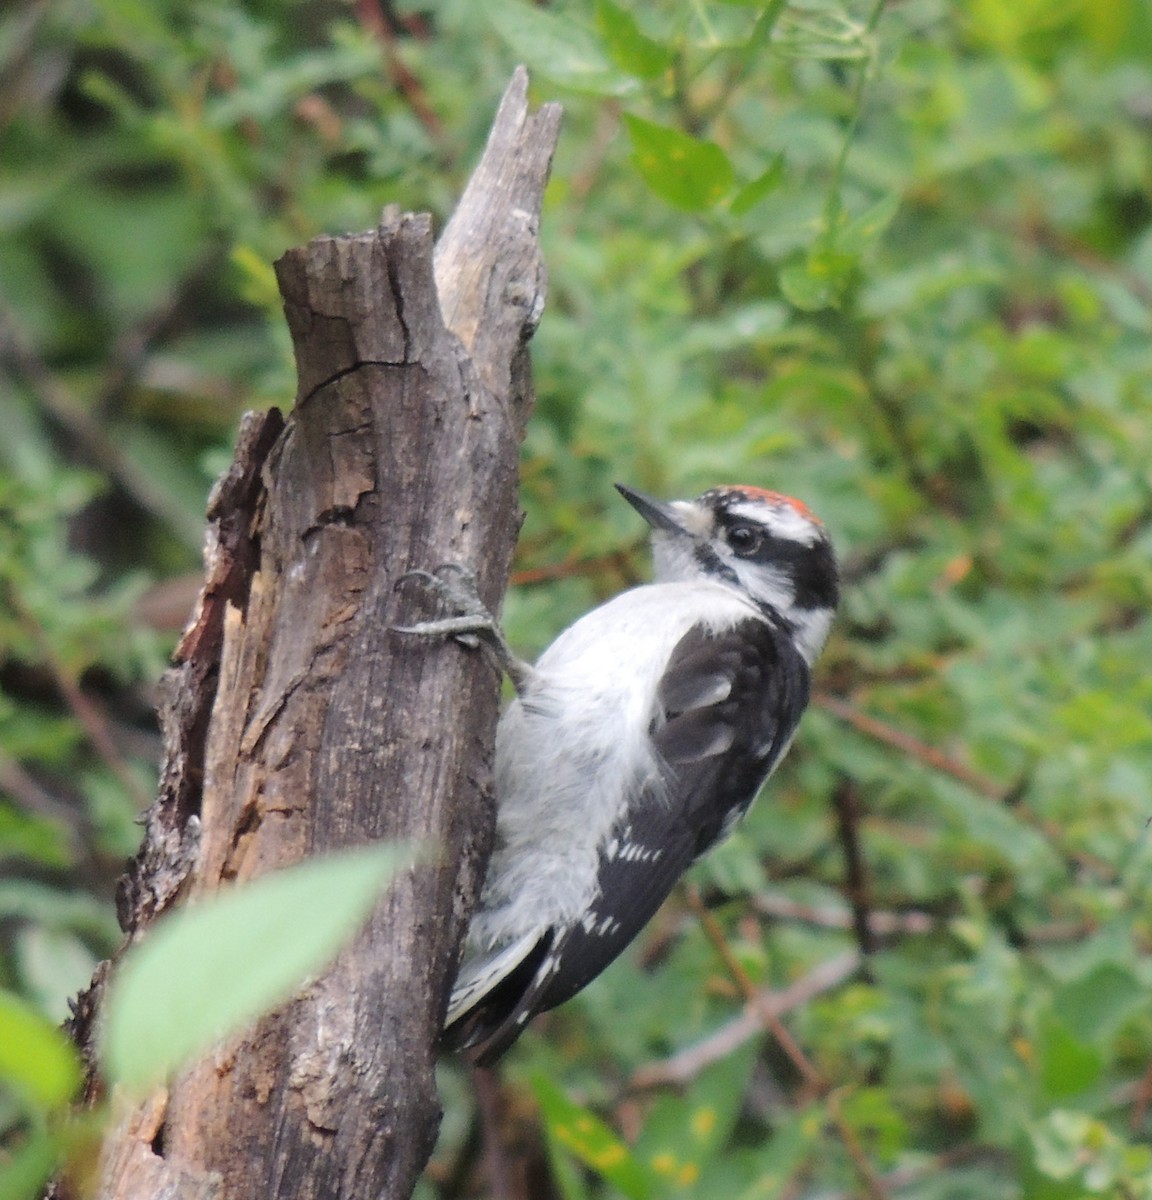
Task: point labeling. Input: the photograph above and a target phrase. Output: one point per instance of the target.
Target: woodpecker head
(764, 544)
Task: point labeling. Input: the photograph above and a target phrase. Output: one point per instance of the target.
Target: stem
(832, 208)
(705, 24)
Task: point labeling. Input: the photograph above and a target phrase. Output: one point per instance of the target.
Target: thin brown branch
(881, 923)
(32, 798)
(684, 1066)
(857, 886)
(372, 16)
(27, 367)
(572, 568)
(870, 1182)
(86, 711)
(887, 923)
(490, 1104)
(937, 760)
(1141, 1102)
(913, 747)
(1035, 228)
(904, 1177)
(130, 351)
(815, 1083)
(752, 994)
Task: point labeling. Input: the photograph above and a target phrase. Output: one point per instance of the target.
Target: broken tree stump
(297, 722)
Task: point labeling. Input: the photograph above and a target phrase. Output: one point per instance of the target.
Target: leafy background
(895, 259)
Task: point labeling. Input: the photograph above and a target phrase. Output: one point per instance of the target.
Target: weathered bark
(298, 722)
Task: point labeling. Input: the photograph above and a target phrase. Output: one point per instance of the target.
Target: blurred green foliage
(895, 260)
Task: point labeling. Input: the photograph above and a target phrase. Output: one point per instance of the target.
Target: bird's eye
(744, 539)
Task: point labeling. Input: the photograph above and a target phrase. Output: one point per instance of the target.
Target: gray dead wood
(297, 722)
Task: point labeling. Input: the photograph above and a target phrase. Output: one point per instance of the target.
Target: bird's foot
(467, 618)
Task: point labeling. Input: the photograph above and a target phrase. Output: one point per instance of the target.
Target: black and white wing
(728, 705)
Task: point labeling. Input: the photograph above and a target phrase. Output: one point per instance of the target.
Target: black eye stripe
(811, 568)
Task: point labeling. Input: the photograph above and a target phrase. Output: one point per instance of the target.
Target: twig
(571, 568)
(19, 784)
(685, 1065)
(586, 176)
(885, 923)
(832, 205)
(1036, 229)
(84, 709)
(906, 743)
(937, 760)
(490, 1102)
(1059, 931)
(1141, 1101)
(814, 1081)
(870, 1181)
(451, 1180)
(904, 1176)
(880, 923)
(767, 1017)
(374, 19)
(846, 801)
(92, 441)
(130, 351)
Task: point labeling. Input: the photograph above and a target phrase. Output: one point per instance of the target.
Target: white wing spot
(637, 852)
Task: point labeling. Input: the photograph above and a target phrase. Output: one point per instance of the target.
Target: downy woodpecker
(635, 743)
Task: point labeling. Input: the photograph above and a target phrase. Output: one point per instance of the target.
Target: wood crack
(290, 697)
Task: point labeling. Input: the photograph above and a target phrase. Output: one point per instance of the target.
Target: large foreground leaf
(204, 972)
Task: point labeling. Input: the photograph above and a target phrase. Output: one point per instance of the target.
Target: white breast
(576, 743)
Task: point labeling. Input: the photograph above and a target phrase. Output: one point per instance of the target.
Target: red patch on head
(757, 493)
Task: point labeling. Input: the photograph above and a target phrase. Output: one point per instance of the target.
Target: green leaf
(557, 46)
(1068, 1065)
(256, 278)
(878, 1123)
(37, 1061)
(765, 20)
(573, 1182)
(808, 287)
(630, 48)
(38, 839)
(1071, 1145)
(757, 189)
(592, 1142)
(53, 964)
(27, 1169)
(1094, 1005)
(691, 174)
(822, 279)
(204, 972)
(684, 1132)
(856, 235)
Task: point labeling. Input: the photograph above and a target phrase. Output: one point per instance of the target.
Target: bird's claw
(463, 594)
(467, 614)
(467, 618)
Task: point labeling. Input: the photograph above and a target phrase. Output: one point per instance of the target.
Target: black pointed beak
(655, 512)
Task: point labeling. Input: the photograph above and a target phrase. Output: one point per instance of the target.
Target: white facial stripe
(695, 519)
(782, 520)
